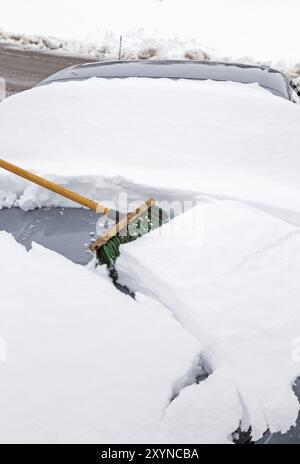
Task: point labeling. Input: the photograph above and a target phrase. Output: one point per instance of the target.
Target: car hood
(221, 139)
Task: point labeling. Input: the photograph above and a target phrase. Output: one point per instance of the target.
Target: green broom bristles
(150, 220)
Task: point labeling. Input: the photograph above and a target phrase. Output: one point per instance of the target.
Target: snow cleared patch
(84, 363)
(236, 291)
(225, 140)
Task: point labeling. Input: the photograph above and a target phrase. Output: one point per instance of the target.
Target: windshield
(268, 78)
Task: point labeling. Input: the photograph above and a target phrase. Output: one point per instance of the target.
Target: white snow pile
(217, 287)
(230, 275)
(221, 139)
(135, 45)
(85, 363)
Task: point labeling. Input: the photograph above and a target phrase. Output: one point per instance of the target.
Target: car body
(272, 80)
(53, 232)
(222, 143)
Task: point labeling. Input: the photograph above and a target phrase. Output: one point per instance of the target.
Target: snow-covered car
(56, 231)
(210, 346)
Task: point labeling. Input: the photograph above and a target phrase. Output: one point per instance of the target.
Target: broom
(131, 226)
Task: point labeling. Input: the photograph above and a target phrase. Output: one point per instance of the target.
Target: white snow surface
(85, 363)
(220, 139)
(234, 287)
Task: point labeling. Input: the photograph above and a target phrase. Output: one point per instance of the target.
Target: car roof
(269, 78)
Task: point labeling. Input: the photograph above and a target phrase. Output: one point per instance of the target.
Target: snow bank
(236, 290)
(84, 363)
(135, 45)
(225, 140)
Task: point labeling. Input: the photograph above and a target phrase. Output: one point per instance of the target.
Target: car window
(270, 79)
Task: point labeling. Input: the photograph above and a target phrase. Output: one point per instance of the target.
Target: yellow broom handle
(95, 206)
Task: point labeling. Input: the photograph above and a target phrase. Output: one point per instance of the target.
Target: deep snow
(222, 277)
